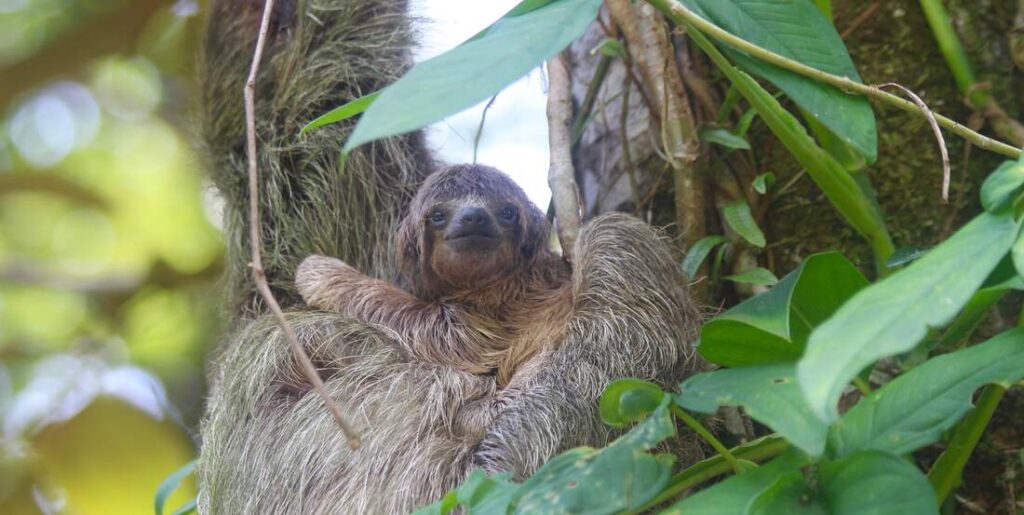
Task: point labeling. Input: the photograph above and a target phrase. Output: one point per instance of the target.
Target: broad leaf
(611, 48)
(915, 408)
(344, 112)
(763, 181)
(905, 256)
(620, 477)
(759, 276)
(1000, 282)
(1003, 186)
(475, 70)
(768, 393)
(844, 153)
(187, 508)
(874, 483)
(629, 400)
(798, 30)
(892, 316)
(479, 493)
(790, 495)
(773, 326)
(737, 215)
(169, 485)
(1018, 254)
(723, 137)
(698, 253)
(736, 494)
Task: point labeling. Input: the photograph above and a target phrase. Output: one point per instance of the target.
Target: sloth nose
(473, 216)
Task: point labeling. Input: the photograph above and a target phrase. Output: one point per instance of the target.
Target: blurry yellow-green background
(109, 255)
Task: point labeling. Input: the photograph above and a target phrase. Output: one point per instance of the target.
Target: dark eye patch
(508, 213)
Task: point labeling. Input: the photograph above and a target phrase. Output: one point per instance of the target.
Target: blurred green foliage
(109, 255)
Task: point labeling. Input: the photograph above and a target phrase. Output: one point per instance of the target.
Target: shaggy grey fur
(269, 444)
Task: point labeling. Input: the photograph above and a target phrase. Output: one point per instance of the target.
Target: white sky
(515, 135)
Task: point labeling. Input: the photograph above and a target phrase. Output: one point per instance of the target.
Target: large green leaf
(628, 400)
(736, 494)
(875, 483)
(1018, 254)
(893, 315)
(620, 477)
(768, 393)
(342, 112)
(790, 495)
(757, 275)
(698, 253)
(914, 409)
(737, 215)
(773, 326)
(480, 493)
(475, 70)
(720, 136)
(169, 485)
(1003, 186)
(798, 30)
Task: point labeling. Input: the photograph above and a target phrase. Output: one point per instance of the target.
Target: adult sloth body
(269, 445)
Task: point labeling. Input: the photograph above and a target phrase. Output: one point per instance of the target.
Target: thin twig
(480, 128)
(975, 122)
(935, 129)
(603, 65)
(259, 276)
(627, 158)
(561, 178)
(681, 15)
(860, 19)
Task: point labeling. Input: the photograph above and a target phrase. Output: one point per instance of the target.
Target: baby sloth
(483, 291)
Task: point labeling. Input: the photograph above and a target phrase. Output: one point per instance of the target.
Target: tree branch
(683, 16)
(645, 34)
(561, 176)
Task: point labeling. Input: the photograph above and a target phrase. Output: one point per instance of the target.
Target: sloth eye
(507, 213)
(437, 216)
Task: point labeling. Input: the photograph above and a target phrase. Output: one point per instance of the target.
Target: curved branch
(683, 16)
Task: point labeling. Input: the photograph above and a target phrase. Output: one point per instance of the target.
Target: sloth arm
(427, 331)
(631, 317)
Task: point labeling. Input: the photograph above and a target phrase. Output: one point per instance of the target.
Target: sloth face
(468, 227)
(473, 241)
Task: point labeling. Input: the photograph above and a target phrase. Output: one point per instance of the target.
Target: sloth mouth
(472, 239)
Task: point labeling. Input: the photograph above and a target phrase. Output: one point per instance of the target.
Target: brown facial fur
(486, 292)
(435, 268)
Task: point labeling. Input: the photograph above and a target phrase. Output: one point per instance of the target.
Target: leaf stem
(600, 73)
(681, 15)
(862, 385)
(708, 437)
(953, 51)
(758, 450)
(946, 472)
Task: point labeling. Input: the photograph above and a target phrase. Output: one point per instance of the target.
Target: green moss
(896, 45)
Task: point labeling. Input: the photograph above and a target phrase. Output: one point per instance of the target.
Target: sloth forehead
(471, 185)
